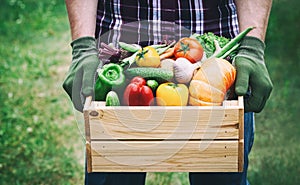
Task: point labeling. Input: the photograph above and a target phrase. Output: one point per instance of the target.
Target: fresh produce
(147, 57)
(109, 54)
(101, 90)
(167, 64)
(137, 93)
(112, 99)
(153, 84)
(210, 42)
(165, 70)
(158, 74)
(129, 60)
(167, 54)
(232, 43)
(188, 48)
(171, 94)
(158, 46)
(111, 74)
(161, 50)
(211, 82)
(129, 47)
(184, 70)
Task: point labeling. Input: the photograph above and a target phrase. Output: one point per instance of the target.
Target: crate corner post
(241, 134)
(88, 149)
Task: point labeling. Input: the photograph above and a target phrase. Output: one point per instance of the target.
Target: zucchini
(158, 74)
(112, 99)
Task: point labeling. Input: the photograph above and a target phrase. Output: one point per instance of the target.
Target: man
(151, 21)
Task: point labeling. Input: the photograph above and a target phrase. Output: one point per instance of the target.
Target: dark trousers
(110, 178)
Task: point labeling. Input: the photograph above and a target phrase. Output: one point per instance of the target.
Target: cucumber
(152, 84)
(158, 74)
(112, 99)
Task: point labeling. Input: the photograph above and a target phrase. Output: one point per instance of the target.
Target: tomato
(170, 94)
(147, 57)
(188, 48)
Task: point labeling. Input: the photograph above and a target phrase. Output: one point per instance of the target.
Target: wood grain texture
(165, 139)
(241, 133)
(162, 123)
(87, 134)
(138, 156)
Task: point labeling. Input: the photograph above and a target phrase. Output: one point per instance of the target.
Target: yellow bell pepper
(171, 94)
(147, 57)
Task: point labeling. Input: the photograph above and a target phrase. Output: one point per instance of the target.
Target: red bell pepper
(137, 93)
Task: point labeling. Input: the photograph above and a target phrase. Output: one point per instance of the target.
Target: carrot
(167, 54)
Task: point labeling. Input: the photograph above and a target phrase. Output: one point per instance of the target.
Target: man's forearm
(82, 17)
(254, 13)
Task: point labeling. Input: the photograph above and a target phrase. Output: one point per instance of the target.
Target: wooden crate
(164, 139)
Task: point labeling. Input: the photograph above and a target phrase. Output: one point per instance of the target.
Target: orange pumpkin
(211, 82)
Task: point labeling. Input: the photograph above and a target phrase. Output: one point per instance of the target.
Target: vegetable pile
(192, 71)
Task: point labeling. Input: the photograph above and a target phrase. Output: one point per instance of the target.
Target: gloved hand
(80, 79)
(252, 71)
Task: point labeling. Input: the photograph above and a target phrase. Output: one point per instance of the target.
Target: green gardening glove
(252, 74)
(80, 79)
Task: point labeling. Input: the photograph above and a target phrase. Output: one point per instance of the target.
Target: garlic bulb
(184, 70)
(167, 64)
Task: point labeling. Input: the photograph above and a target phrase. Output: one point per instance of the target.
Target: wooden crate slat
(163, 124)
(166, 156)
(189, 167)
(146, 147)
(185, 168)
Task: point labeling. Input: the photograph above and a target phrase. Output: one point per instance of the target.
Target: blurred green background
(39, 138)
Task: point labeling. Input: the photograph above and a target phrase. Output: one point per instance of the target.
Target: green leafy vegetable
(227, 47)
(207, 41)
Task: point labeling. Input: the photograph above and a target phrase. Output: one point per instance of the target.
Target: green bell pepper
(109, 76)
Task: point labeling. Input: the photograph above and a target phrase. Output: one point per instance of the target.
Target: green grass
(39, 140)
(36, 141)
(275, 157)
(167, 178)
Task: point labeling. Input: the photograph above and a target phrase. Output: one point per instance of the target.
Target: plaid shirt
(153, 21)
